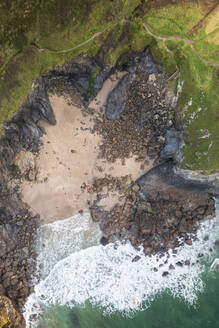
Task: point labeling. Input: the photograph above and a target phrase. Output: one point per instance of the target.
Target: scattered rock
(171, 267)
(188, 242)
(136, 258)
(157, 221)
(135, 187)
(104, 241)
(152, 78)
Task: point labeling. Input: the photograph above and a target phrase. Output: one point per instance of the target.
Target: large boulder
(147, 64)
(117, 98)
(172, 147)
(26, 163)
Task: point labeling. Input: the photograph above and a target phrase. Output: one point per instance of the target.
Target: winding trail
(76, 47)
(123, 20)
(176, 38)
(97, 34)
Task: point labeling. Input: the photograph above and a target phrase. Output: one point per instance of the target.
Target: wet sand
(69, 159)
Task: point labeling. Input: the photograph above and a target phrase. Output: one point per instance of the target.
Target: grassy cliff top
(37, 35)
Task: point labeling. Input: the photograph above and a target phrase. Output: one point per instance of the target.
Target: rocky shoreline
(157, 215)
(139, 120)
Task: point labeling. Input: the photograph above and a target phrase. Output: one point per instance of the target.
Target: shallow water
(88, 285)
(164, 312)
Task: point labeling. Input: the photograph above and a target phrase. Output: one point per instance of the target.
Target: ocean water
(87, 285)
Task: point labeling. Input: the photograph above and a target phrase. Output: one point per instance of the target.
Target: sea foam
(107, 276)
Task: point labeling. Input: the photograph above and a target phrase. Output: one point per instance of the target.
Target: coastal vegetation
(36, 36)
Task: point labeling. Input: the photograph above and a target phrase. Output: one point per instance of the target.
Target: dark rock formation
(82, 74)
(172, 147)
(147, 64)
(117, 99)
(157, 215)
(167, 174)
(139, 62)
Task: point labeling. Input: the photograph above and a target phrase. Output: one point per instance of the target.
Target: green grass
(204, 94)
(207, 49)
(200, 85)
(130, 7)
(47, 30)
(135, 38)
(57, 27)
(161, 55)
(174, 19)
(40, 63)
(200, 80)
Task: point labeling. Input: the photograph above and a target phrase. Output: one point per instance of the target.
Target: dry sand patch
(69, 159)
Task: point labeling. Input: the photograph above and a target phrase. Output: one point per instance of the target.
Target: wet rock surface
(166, 218)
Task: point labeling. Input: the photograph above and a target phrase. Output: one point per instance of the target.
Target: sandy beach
(69, 160)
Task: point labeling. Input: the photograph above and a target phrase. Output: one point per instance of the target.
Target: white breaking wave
(106, 276)
(61, 238)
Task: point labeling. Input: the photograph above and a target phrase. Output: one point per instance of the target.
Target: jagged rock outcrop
(171, 149)
(117, 99)
(9, 316)
(158, 215)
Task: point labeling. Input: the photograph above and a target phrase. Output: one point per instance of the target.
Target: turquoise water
(165, 312)
(86, 285)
